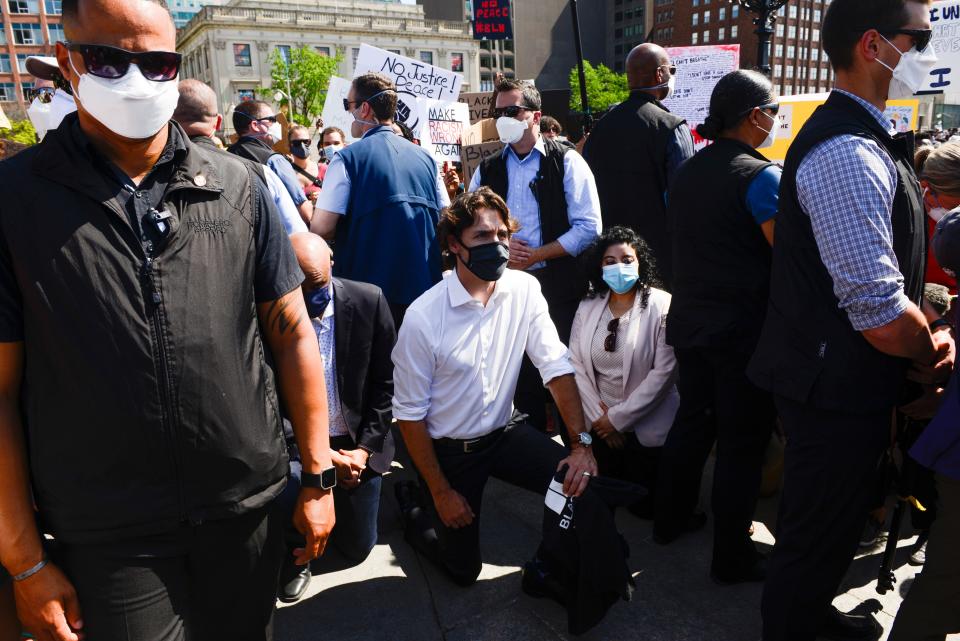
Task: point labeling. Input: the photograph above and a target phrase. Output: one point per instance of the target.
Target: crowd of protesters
(209, 356)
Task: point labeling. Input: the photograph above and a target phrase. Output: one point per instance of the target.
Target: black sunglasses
(671, 68)
(512, 111)
(921, 37)
(610, 342)
(112, 62)
(772, 106)
(43, 94)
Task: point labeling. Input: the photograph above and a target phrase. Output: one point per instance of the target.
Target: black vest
(721, 259)
(564, 279)
(809, 351)
(627, 151)
(252, 149)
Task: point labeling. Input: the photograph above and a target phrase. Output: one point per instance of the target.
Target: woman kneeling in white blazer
(625, 371)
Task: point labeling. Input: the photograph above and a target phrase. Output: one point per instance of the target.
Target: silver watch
(585, 438)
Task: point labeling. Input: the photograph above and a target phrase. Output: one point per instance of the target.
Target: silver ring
(587, 474)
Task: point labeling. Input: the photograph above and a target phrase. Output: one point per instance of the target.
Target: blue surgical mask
(621, 277)
(317, 301)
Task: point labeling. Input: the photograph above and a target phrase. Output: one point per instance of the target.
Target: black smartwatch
(325, 480)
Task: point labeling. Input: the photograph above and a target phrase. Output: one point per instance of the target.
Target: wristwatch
(586, 440)
(940, 322)
(325, 480)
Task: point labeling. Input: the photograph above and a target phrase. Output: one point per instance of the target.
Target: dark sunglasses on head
(610, 342)
(511, 112)
(112, 62)
(43, 94)
(921, 37)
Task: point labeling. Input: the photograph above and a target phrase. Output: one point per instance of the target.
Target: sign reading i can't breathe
(491, 20)
(945, 75)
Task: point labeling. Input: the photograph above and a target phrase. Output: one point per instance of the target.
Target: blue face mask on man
(317, 301)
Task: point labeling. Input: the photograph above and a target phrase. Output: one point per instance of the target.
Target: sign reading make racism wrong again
(491, 20)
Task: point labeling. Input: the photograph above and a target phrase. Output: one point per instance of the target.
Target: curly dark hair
(592, 262)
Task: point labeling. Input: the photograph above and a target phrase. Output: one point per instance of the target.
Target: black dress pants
(830, 461)
(520, 456)
(217, 580)
(633, 462)
(717, 404)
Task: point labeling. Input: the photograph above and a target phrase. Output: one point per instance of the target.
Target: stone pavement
(396, 595)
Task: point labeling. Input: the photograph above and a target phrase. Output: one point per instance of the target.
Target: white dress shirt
(326, 337)
(456, 362)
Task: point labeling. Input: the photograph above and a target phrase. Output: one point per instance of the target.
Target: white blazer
(650, 398)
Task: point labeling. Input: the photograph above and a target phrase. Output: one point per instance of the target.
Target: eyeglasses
(272, 118)
(347, 103)
(671, 68)
(43, 94)
(610, 342)
(305, 143)
(112, 62)
(771, 106)
(921, 37)
(511, 112)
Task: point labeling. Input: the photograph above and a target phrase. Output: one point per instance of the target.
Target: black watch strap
(940, 322)
(325, 480)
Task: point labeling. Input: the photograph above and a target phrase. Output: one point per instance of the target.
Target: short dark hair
(531, 97)
(847, 20)
(593, 261)
(370, 84)
(332, 130)
(462, 213)
(70, 8)
(245, 113)
(733, 97)
(548, 123)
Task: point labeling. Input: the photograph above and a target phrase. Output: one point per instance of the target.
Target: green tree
(22, 132)
(305, 77)
(605, 87)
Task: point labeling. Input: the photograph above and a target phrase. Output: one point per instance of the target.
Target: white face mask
(771, 133)
(275, 131)
(671, 85)
(938, 212)
(510, 129)
(131, 106)
(911, 72)
(330, 150)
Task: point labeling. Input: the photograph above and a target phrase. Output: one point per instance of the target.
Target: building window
(354, 54)
(706, 17)
(25, 90)
(456, 62)
(694, 38)
(55, 32)
(791, 32)
(816, 16)
(246, 95)
(53, 7)
(427, 57)
(816, 35)
(8, 92)
(793, 11)
(779, 30)
(27, 34)
(695, 19)
(777, 71)
(815, 54)
(618, 16)
(789, 71)
(735, 11)
(778, 51)
(734, 30)
(696, 3)
(706, 37)
(791, 53)
(814, 73)
(721, 33)
(722, 13)
(5, 63)
(324, 51)
(283, 51)
(23, 6)
(788, 90)
(22, 62)
(241, 55)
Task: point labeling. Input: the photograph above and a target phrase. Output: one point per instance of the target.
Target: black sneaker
(842, 626)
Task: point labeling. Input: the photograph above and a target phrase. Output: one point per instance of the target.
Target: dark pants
(830, 461)
(531, 396)
(355, 532)
(217, 580)
(520, 456)
(635, 463)
(930, 611)
(717, 404)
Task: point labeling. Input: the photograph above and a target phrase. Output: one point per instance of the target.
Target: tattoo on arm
(281, 318)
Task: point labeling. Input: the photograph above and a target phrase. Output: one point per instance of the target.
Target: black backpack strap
(303, 172)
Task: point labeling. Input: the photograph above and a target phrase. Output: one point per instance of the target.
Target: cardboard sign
(447, 123)
(472, 155)
(479, 104)
(491, 20)
(333, 113)
(699, 69)
(412, 77)
(945, 75)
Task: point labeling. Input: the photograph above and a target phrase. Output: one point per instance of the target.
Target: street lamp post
(584, 104)
(766, 12)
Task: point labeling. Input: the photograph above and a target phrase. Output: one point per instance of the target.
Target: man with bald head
(197, 113)
(636, 149)
(142, 280)
(355, 331)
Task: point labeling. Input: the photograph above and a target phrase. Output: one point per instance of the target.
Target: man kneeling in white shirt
(455, 371)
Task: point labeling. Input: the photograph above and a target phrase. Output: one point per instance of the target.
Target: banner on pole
(491, 20)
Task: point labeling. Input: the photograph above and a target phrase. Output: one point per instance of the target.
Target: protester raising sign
(447, 123)
(699, 69)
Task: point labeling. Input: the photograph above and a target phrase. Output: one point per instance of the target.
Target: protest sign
(698, 71)
(412, 77)
(796, 110)
(491, 20)
(473, 155)
(447, 123)
(945, 75)
(4, 121)
(479, 104)
(333, 113)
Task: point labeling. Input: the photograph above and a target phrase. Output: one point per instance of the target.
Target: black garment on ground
(808, 350)
(721, 259)
(627, 151)
(583, 549)
(148, 400)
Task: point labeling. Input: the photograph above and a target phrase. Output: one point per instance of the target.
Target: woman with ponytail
(722, 205)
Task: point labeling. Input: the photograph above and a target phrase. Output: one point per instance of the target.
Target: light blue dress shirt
(324, 328)
(292, 221)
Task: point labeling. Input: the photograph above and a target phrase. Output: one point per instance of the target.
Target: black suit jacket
(365, 336)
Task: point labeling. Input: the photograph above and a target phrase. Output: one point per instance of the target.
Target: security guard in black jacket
(134, 268)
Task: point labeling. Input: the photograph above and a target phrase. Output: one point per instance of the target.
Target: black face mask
(299, 150)
(487, 261)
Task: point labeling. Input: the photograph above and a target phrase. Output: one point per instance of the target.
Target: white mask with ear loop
(771, 133)
(911, 72)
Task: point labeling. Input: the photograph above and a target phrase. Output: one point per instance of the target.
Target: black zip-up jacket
(147, 400)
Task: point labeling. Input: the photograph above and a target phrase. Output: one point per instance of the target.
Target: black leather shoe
(752, 573)
(293, 588)
(695, 522)
(538, 583)
(840, 626)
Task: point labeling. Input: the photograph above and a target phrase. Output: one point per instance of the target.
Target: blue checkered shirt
(325, 330)
(846, 186)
